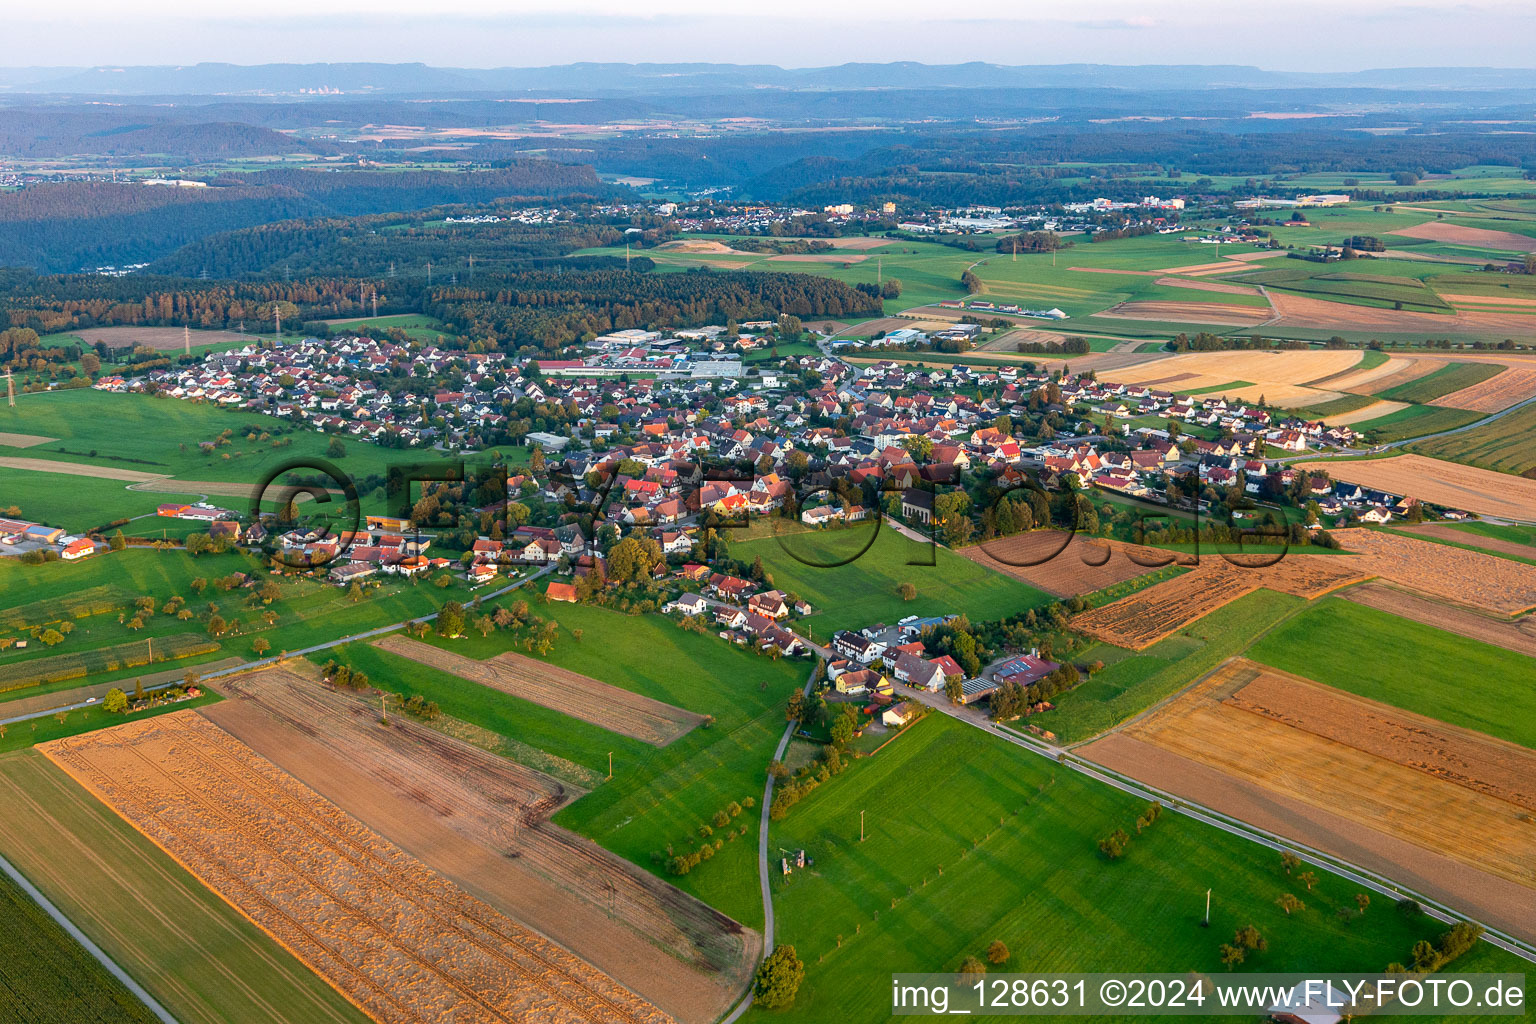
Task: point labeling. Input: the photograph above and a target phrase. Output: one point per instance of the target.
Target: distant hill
(599, 79)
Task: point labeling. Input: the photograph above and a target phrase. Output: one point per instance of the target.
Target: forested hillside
(78, 225)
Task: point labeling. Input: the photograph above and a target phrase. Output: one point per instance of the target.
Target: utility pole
(277, 318)
(375, 303)
(383, 710)
(610, 765)
(10, 389)
(1207, 922)
(861, 826)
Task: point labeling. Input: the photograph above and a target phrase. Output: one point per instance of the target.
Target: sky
(1300, 35)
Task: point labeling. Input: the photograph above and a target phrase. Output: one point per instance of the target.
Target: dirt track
(610, 707)
(399, 940)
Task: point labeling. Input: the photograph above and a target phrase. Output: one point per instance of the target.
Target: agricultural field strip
(1474, 578)
(1410, 777)
(591, 700)
(400, 941)
(497, 804)
(1518, 635)
(1499, 392)
(1143, 618)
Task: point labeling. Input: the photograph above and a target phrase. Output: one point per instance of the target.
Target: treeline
(550, 308)
(536, 309)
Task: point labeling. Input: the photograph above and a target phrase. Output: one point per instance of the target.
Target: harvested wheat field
(819, 257)
(23, 440)
(1063, 564)
(1463, 796)
(481, 820)
(1375, 410)
(1502, 390)
(1162, 310)
(1207, 286)
(1495, 584)
(859, 242)
(394, 937)
(1280, 377)
(1517, 635)
(1357, 380)
(1404, 371)
(700, 245)
(1144, 618)
(1457, 234)
(1285, 367)
(162, 339)
(591, 700)
(1438, 482)
(1441, 531)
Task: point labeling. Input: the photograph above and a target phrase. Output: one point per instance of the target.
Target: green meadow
(1005, 850)
(1408, 665)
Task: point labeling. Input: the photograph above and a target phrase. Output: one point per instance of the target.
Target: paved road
(90, 947)
(763, 878)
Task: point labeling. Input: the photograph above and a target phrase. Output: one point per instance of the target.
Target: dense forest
(540, 309)
(79, 225)
(379, 244)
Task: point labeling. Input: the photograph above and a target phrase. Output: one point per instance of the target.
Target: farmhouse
(562, 592)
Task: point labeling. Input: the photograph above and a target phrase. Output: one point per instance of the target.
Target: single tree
(778, 978)
(1289, 903)
(997, 952)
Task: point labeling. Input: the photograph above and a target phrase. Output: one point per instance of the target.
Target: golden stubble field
(399, 940)
(1439, 482)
